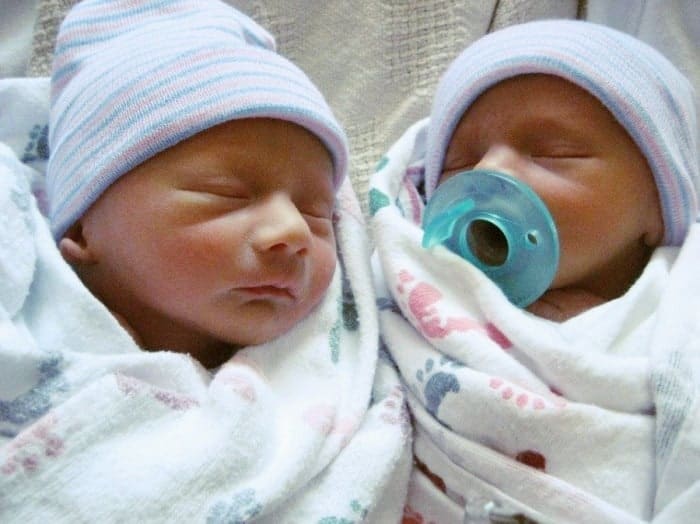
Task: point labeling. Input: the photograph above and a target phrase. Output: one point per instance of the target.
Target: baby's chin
(263, 335)
(559, 305)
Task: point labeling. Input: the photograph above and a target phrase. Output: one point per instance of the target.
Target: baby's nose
(501, 157)
(281, 228)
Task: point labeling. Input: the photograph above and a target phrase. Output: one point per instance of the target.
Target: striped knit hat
(650, 98)
(132, 78)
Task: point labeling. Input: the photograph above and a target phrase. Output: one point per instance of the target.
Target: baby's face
(224, 239)
(566, 145)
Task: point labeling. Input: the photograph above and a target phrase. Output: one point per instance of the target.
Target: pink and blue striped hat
(650, 98)
(132, 78)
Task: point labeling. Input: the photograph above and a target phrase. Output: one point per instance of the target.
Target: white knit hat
(132, 78)
(650, 98)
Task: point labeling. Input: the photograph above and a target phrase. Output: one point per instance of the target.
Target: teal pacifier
(501, 226)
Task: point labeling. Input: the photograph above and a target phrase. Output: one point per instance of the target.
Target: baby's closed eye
(556, 142)
(318, 214)
(315, 204)
(560, 151)
(560, 160)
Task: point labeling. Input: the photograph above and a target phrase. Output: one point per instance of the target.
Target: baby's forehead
(541, 102)
(249, 156)
(528, 87)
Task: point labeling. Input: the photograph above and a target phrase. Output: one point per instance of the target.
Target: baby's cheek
(320, 271)
(325, 261)
(209, 242)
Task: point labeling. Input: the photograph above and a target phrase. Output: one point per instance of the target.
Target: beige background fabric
(671, 26)
(377, 62)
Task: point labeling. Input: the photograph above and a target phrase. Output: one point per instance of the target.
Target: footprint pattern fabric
(521, 418)
(310, 427)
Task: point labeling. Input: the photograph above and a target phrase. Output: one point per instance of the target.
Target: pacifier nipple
(501, 226)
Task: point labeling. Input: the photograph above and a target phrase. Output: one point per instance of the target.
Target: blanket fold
(589, 420)
(310, 427)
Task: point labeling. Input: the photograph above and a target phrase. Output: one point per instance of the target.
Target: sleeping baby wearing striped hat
(571, 398)
(200, 341)
(598, 124)
(193, 174)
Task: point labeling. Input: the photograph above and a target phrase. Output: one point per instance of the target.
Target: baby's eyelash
(561, 157)
(557, 153)
(319, 209)
(318, 215)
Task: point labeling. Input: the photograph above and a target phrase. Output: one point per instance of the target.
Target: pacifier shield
(500, 225)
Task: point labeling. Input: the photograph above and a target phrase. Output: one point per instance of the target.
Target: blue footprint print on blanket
(348, 307)
(359, 513)
(348, 317)
(377, 200)
(242, 507)
(437, 383)
(37, 147)
(37, 401)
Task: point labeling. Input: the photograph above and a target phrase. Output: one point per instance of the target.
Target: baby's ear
(74, 247)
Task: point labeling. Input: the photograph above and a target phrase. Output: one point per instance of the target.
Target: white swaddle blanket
(596, 419)
(310, 427)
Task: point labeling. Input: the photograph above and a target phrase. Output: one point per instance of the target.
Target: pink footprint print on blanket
(423, 303)
(36, 444)
(394, 410)
(130, 386)
(322, 418)
(522, 398)
(237, 377)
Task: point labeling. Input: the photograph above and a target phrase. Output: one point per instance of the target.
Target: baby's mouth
(274, 291)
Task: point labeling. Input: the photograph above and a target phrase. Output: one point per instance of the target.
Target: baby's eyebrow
(207, 177)
(546, 124)
(553, 133)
